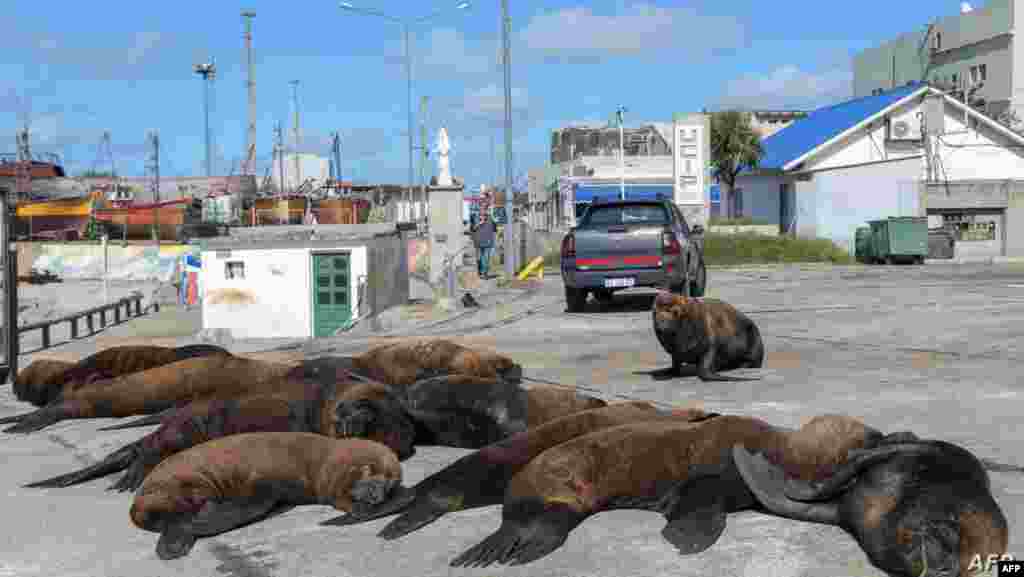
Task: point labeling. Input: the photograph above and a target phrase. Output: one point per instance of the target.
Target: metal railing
(132, 306)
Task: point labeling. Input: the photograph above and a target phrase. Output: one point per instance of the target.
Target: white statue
(444, 175)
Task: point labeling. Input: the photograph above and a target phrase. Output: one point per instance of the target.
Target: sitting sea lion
(234, 481)
(684, 471)
(479, 479)
(40, 384)
(155, 390)
(708, 333)
(311, 408)
(917, 508)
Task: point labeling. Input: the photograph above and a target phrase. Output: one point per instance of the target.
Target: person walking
(483, 238)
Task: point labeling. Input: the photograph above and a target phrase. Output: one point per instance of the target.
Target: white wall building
(309, 166)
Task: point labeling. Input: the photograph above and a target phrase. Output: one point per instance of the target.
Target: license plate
(619, 282)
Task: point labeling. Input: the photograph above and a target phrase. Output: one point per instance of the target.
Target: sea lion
(40, 385)
(311, 408)
(708, 333)
(155, 390)
(407, 361)
(234, 481)
(684, 471)
(479, 479)
(918, 508)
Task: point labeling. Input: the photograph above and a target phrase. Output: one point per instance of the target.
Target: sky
(78, 69)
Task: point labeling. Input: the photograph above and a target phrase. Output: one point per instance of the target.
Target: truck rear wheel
(575, 299)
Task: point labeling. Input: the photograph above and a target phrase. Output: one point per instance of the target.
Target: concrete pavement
(934, 349)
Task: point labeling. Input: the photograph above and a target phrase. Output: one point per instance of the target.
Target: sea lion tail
(528, 532)
(154, 419)
(401, 498)
(113, 463)
(421, 514)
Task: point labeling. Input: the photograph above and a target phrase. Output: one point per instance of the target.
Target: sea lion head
(373, 411)
(41, 381)
(158, 505)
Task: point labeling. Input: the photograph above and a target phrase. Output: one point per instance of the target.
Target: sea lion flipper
(767, 482)
(114, 462)
(218, 517)
(697, 520)
(174, 543)
(402, 497)
(420, 514)
(154, 419)
(529, 531)
(132, 477)
(37, 420)
(17, 418)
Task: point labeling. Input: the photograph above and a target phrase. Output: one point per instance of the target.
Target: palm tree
(735, 145)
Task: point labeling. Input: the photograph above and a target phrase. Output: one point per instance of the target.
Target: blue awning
(587, 192)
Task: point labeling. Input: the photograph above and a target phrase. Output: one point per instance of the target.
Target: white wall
(978, 152)
(867, 145)
(274, 300)
(835, 202)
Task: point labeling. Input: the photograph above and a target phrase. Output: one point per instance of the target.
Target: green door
(332, 308)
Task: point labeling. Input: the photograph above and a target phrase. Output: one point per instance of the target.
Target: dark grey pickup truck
(632, 243)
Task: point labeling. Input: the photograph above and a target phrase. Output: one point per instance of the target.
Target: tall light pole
(249, 167)
(622, 154)
(506, 24)
(208, 71)
(405, 23)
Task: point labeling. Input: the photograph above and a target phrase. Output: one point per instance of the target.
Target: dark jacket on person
(486, 233)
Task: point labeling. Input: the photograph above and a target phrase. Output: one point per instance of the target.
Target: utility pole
(208, 72)
(295, 131)
(279, 154)
(154, 167)
(506, 49)
(426, 153)
(249, 167)
(23, 170)
(8, 207)
(622, 155)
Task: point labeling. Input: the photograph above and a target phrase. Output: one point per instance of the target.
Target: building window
(937, 42)
(234, 270)
(981, 73)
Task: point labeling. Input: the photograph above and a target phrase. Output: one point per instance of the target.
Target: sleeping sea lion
(407, 361)
(918, 508)
(479, 479)
(708, 333)
(310, 408)
(234, 481)
(40, 386)
(155, 390)
(684, 471)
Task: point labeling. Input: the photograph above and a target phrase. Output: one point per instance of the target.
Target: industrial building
(974, 56)
(912, 151)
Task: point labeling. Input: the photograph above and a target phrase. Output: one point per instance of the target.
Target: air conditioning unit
(904, 127)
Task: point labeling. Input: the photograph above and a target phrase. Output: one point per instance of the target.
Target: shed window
(234, 269)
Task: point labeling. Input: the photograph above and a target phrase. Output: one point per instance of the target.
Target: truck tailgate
(618, 247)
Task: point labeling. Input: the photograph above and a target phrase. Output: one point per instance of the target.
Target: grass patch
(553, 258)
(750, 248)
(741, 221)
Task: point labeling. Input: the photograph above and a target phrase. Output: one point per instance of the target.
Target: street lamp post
(405, 23)
(622, 155)
(505, 26)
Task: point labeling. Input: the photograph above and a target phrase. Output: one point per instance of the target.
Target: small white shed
(292, 292)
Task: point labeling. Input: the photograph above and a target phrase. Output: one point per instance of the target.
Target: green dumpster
(899, 239)
(862, 244)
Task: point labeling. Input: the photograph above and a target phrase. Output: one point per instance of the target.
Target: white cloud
(788, 86)
(641, 30)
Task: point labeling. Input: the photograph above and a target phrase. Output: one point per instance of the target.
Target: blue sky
(76, 69)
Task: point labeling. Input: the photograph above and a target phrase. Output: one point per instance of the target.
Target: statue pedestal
(446, 235)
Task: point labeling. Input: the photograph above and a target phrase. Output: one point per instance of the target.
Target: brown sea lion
(311, 407)
(155, 390)
(684, 471)
(480, 479)
(39, 385)
(918, 508)
(407, 361)
(708, 333)
(234, 481)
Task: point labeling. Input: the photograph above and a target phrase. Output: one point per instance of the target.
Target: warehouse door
(332, 308)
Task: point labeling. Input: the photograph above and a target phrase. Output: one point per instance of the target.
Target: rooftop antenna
(208, 71)
(249, 164)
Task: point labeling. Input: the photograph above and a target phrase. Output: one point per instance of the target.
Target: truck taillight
(569, 246)
(669, 244)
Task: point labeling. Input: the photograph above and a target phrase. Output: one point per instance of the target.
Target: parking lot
(934, 349)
